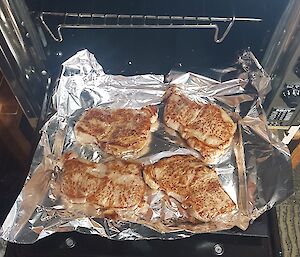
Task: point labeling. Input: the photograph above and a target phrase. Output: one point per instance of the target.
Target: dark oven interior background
(137, 51)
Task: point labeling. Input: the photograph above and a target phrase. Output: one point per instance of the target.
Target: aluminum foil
(255, 172)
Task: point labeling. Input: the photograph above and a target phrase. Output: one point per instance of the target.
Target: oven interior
(133, 49)
(138, 37)
(142, 50)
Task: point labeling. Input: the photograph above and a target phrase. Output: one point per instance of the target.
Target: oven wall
(22, 58)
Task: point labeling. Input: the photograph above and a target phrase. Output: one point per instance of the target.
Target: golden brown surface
(179, 110)
(296, 156)
(206, 127)
(109, 185)
(118, 132)
(196, 186)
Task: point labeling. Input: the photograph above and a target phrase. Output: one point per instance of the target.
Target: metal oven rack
(116, 21)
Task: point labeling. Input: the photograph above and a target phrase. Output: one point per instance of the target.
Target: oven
(141, 37)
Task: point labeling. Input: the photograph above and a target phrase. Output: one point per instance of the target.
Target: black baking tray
(261, 239)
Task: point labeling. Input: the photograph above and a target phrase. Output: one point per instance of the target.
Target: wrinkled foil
(255, 172)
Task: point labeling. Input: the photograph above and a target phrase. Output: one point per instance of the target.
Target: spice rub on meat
(206, 127)
(194, 185)
(119, 132)
(109, 185)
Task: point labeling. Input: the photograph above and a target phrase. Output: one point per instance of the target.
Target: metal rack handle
(218, 38)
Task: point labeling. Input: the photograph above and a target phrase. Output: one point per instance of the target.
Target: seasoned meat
(206, 127)
(193, 184)
(109, 185)
(119, 132)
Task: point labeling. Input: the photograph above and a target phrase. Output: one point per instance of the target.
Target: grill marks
(193, 184)
(117, 132)
(205, 127)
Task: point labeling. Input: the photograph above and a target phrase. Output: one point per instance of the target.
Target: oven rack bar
(119, 21)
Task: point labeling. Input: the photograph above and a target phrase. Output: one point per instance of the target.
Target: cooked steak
(119, 132)
(109, 185)
(193, 184)
(206, 127)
